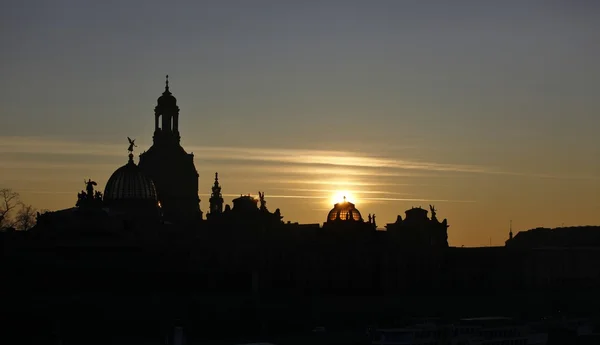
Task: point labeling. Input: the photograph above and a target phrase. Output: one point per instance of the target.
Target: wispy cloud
(40, 145)
(361, 192)
(298, 161)
(342, 183)
(366, 195)
(422, 200)
(278, 196)
(327, 158)
(37, 191)
(34, 165)
(274, 167)
(362, 199)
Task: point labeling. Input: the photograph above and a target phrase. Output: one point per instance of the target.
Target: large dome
(129, 183)
(344, 211)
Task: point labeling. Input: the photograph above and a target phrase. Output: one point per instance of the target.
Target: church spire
(216, 198)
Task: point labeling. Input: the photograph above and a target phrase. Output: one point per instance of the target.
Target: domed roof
(167, 98)
(129, 183)
(344, 211)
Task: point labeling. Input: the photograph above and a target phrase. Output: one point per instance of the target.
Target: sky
(488, 110)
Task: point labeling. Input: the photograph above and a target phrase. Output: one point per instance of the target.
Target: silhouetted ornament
(129, 183)
(344, 211)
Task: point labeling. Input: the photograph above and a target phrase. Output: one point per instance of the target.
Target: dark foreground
(98, 317)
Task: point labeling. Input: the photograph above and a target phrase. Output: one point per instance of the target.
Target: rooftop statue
(89, 196)
(131, 144)
(263, 203)
(432, 208)
(89, 187)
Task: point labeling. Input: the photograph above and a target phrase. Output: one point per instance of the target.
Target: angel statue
(131, 144)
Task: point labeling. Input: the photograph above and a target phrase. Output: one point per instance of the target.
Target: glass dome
(344, 211)
(129, 183)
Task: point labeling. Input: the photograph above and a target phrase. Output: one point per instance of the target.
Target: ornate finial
(167, 83)
(344, 198)
(216, 177)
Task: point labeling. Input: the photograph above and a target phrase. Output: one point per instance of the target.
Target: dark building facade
(170, 167)
(417, 228)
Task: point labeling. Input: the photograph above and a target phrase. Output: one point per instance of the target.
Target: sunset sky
(487, 109)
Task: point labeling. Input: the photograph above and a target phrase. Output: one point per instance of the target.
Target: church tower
(169, 166)
(216, 198)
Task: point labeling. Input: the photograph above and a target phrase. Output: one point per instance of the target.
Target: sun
(341, 196)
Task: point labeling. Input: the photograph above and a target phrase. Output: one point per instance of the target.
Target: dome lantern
(166, 118)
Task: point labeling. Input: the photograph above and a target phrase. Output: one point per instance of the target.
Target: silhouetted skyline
(488, 111)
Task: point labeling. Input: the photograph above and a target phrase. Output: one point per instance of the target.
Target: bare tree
(26, 217)
(9, 200)
(14, 213)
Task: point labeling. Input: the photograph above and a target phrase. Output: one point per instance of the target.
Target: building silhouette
(170, 167)
(145, 236)
(417, 228)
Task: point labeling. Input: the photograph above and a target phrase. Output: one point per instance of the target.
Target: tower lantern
(166, 117)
